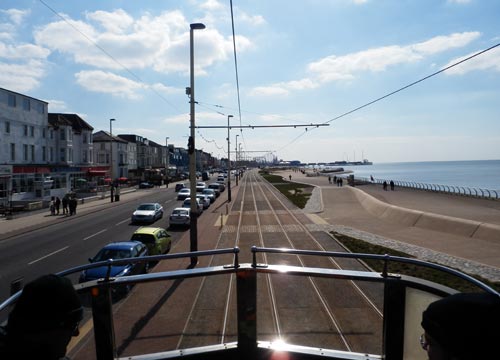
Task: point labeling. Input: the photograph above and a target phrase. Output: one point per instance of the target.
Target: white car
(148, 212)
(200, 186)
(183, 194)
(180, 216)
(210, 193)
(187, 204)
(204, 200)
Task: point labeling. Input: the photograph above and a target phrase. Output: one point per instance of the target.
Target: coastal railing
(450, 189)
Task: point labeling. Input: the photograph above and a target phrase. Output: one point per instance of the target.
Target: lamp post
(228, 162)
(236, 160)
(168, 161)
(111, 146)
(193, 233)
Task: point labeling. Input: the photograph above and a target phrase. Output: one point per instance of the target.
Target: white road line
(46, 256)
(97, 233)
(166, 202)
(122, 222)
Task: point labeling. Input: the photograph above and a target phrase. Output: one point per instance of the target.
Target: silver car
(147, 212)
(180, 216)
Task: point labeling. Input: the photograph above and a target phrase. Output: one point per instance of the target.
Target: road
(70, 243)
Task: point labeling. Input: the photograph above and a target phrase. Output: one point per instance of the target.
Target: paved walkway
(452, 230)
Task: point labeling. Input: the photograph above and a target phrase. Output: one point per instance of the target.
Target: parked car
(210, 193)
(222, 185)
(180, 216)
(187, 204)
(179, 186)
(200, 186)
(156, 239)
(183, 194)
(147, 212)
(116, 251)
(146, 185)
(216, 187)
(204, 200)
(220, 178)
(205, 176)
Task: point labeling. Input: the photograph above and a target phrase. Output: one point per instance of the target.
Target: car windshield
(144, 238)
(208, 191)
(146, 207)
(106, 254)
(180, 212)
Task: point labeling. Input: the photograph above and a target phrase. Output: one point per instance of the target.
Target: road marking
(166, 202)
(46, 256)
(97, 233)
(122, 222)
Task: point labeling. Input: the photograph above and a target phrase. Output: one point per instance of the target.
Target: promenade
(452, 230)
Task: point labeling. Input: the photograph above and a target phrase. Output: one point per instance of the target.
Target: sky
(300, 62)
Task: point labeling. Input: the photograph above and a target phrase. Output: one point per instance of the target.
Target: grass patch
(360, 246)
(298, 194)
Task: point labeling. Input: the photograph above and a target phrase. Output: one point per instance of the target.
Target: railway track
(305, 311)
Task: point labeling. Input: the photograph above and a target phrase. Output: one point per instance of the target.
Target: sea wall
(427, 220)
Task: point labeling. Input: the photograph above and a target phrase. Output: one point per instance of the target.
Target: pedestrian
(65, 204)
(371, 178)
(341, 182)
(57, 204)
(72, 205)
(392, 185)
(335, 180)
(384, 185)
(462, 326)
(329, 179)
(44, 319)
(52, 206)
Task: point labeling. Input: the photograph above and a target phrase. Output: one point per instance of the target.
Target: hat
(46, 303)
(466, 325)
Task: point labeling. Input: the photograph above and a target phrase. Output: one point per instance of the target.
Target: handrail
(450, 189)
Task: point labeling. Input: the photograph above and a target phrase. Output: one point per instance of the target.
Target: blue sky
(299, 62)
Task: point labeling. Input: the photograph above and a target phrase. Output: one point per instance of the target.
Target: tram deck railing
(403, 296)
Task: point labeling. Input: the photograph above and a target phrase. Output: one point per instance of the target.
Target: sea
(479, 174)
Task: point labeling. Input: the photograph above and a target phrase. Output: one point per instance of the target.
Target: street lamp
(193, 233)
(168, 161)
(111, 146)
(228, 162)
(236, 160)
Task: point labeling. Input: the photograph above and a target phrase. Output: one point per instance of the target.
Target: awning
(97, 172)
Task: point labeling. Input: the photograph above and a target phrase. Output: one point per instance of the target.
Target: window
(26, 104)
(44, 153)
(84, 138)
(84, 156)
(13, 152)
(44, 133)
(62, 134)
(25, 130)
(32, 153)
(12, 100)
(51, 133)
(40, 108)
(51, 154)
(7, 127)
(25, 152)
(62, 154)
(32, 131)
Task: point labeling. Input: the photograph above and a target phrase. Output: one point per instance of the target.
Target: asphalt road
(70, 243)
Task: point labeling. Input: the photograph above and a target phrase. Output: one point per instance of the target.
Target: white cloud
(57, 106)
(16, 16)
(22, 77)
(158, 41)
(486, 61)
(459, 1)
(346, 67)
(109, 83)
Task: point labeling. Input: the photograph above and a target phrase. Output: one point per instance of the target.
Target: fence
(450, 189)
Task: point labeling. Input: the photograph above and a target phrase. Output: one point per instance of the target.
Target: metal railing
(398, 302)
(448, 189)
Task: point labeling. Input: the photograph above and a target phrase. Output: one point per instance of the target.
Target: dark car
(179, 186)
(116, 251)
(145, 185)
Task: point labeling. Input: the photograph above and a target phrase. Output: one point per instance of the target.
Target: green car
(156, 239)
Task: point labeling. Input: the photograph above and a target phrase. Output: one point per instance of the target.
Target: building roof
(106, 137)
(73, 120)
